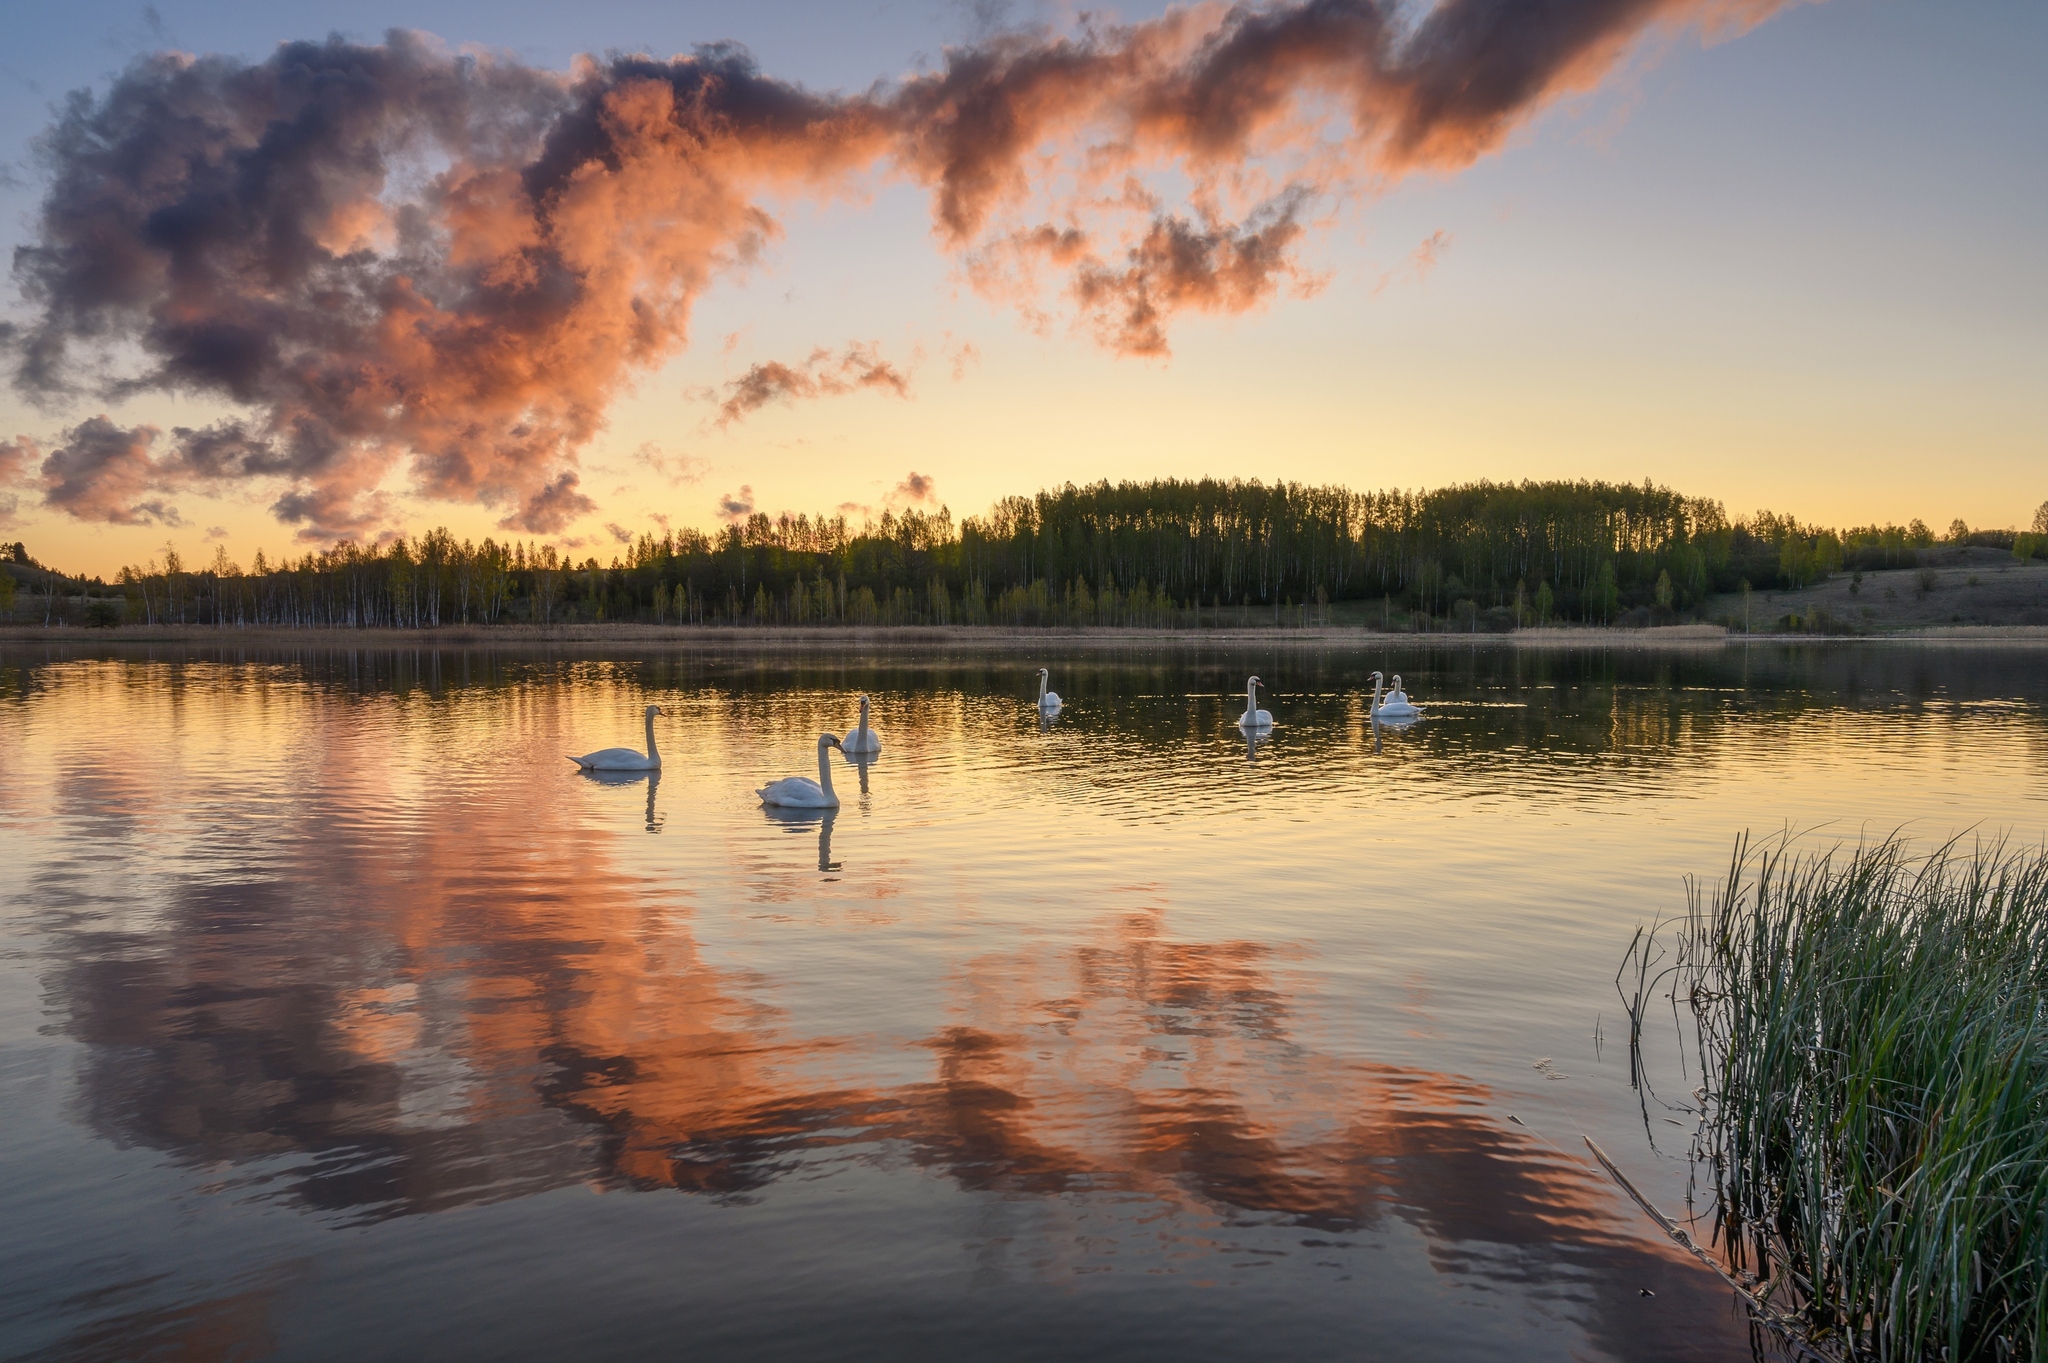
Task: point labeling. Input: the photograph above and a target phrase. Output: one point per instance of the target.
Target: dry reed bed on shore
(797, 638)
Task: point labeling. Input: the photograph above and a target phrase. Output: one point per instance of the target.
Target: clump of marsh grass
(1873, 1027)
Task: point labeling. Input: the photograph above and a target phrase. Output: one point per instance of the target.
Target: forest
(1178, 553)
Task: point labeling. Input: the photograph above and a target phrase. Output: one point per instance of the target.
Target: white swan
(1253, 717)
(863, 738)
(1396, 705)
(1047, 700)
(801, 792)
(626, 759)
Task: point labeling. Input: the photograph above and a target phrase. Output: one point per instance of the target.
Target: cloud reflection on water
(1137, 1066)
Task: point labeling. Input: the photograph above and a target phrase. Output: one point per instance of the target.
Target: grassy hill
(1961, 586)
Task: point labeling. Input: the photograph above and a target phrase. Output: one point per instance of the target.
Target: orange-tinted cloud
(1180, 267)
(819, 376)
(676, 468)
(1425, 257)
(16, 456)
(241, 227)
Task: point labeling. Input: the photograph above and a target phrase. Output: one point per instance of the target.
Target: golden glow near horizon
(1649, 282)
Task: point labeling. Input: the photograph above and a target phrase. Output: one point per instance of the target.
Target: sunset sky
(1794, 263)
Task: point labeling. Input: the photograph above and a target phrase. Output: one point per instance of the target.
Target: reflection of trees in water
(1626, 711)
(1800, 673)
(1571, 702)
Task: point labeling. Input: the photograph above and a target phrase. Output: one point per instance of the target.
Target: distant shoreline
(944, 637)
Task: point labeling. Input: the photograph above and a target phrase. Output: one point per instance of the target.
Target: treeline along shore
(1159, 555)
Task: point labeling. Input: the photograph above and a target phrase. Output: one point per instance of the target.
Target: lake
(341, 1018)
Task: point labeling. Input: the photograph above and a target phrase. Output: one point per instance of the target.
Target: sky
(1791, 263)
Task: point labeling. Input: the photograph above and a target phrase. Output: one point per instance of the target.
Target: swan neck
(863, 714)
(1041, 688)
(824, 769)
(652, 755)
(1375, 693)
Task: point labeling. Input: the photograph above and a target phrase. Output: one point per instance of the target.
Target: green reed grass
(1875, 1108)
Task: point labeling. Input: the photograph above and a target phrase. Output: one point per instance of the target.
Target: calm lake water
(341, 1018)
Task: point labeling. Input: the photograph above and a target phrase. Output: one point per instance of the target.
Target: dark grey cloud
(915, 487)
(104, 472)
(552, 508)
(733, 509)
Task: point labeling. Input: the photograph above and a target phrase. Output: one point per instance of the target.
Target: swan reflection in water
(1254, 740)
(1382, 726)
(652, 776)
(796, 819)
(860, 762)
